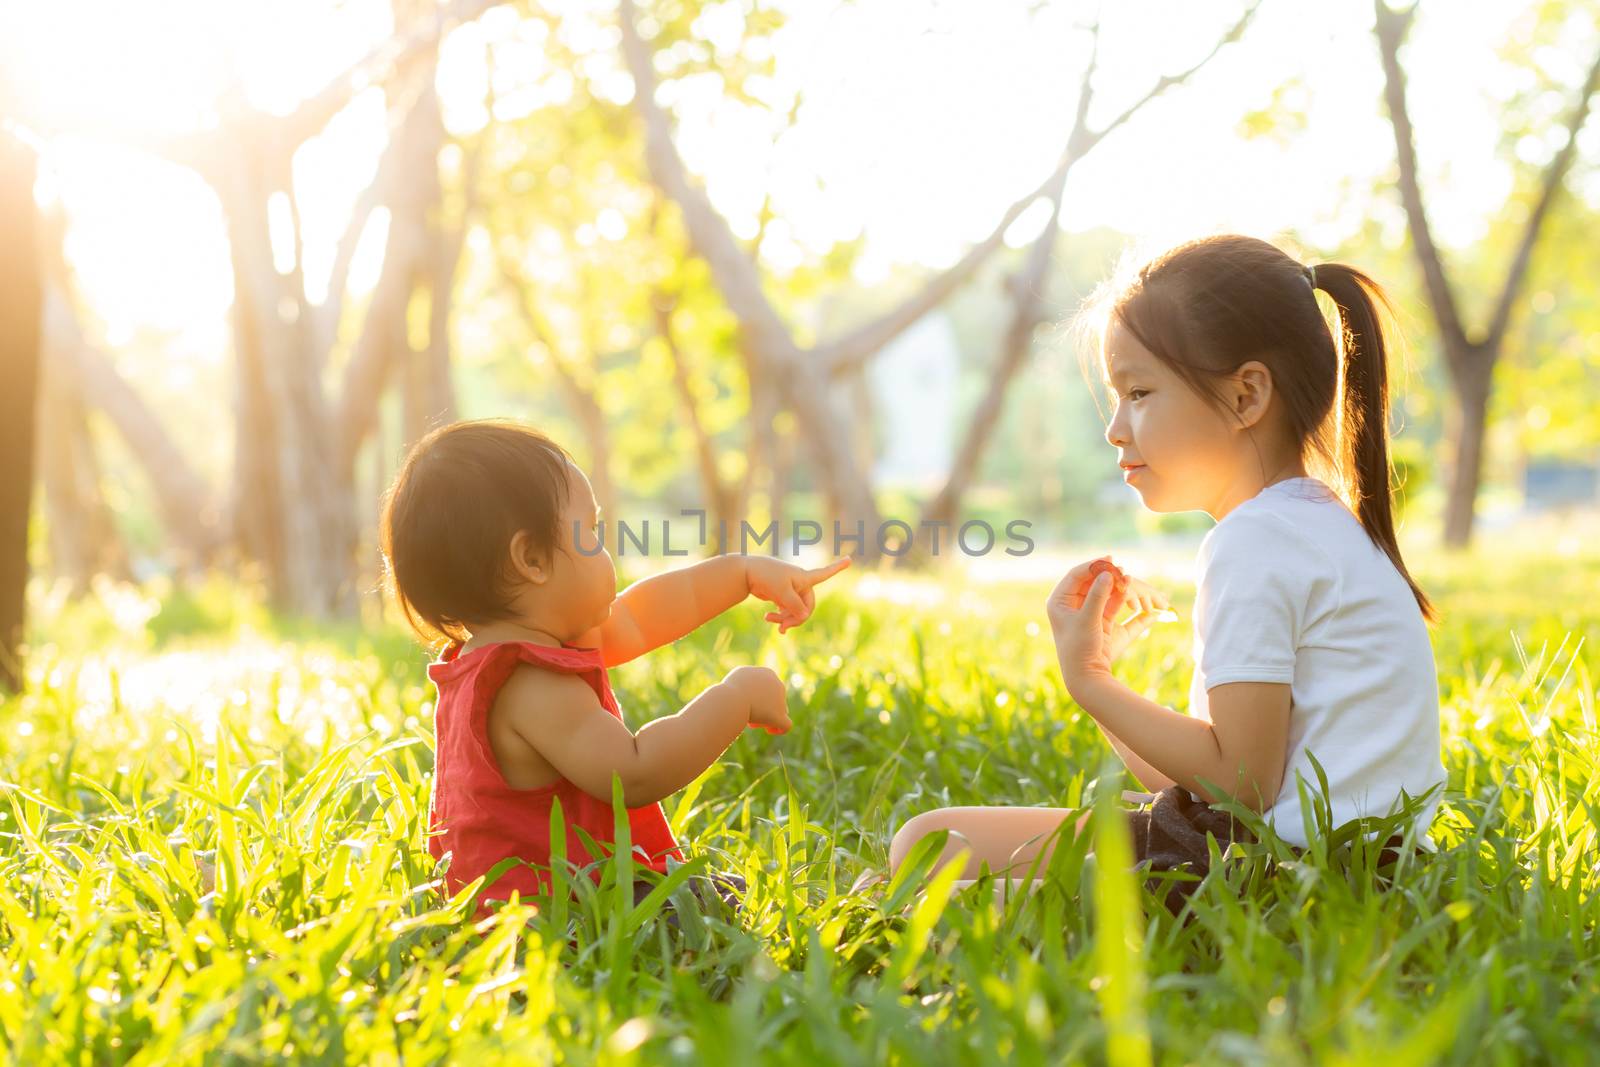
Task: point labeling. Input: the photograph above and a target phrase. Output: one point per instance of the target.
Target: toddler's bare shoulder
(535, 695)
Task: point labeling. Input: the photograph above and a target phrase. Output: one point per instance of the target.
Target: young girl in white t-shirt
(1310, 636)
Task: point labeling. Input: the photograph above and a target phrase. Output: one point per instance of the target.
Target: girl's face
(1179, 452)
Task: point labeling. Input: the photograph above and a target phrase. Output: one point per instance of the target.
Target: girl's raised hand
(1126, 591)
(789, 587)
(1083, 609)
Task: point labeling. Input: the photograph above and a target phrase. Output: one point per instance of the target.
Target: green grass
(211, 852)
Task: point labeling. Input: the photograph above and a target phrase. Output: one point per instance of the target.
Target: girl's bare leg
(1005, 839)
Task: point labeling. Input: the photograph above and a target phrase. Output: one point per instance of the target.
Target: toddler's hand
(767, 695)
(789, 587)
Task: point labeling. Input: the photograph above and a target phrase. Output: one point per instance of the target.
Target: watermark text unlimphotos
(893, 537)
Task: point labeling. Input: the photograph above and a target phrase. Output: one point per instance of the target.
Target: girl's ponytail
(1363, 410)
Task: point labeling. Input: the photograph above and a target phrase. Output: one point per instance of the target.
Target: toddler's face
(586, 580)
(1176, 450)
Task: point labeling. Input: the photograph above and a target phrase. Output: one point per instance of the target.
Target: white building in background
(1553, 484)
(914, 385)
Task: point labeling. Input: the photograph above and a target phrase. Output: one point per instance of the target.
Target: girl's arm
(1148, 776)
(1244, 746)
(1242, 750)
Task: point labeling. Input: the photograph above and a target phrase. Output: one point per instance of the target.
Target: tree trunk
(857, 401)
(429, 394)
(291, 511)
(720, 497)
(596, 434)
(184, 500)
(296, 451)
(1470, 359)
(768, 458)
(1470, 425)
(84, 540)
(443, 263)
(1027, 293)
(436, 393)
(21, 295)
(779, 479)
(383, 348)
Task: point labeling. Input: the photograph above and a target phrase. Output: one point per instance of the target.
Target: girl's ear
(525, 561)
(1250, 393)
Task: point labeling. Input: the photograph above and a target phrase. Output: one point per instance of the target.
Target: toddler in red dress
(495, 553)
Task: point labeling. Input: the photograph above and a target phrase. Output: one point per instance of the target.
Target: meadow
(211, 851)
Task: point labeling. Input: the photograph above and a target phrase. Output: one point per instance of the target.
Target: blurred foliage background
(774, 261)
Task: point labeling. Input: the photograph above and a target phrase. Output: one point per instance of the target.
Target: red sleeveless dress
(479, 819)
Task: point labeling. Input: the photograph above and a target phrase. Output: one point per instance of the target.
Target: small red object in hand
(1119, 581)
(1119, 584)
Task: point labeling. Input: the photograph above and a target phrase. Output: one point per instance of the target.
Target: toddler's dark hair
(460, 496)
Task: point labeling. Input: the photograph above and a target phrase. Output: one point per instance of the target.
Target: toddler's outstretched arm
(665, 607)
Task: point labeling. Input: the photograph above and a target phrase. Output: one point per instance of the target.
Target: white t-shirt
(1292, 590)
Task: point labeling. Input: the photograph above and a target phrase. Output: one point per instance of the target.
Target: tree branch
(861, 344)
(383, 334)
(376, 192)
(736, 274)
(1555, 173)
(842, 355)
(1172, 81)
(543, 333)
(769, 345)
(765, 216)
(185, 501)
(664, 306)
(199, 151)
(381, 64)
(1390, 27)
(579, 388)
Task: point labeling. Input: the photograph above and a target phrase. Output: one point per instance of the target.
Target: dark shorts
(708, 889)
(1170, 832)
